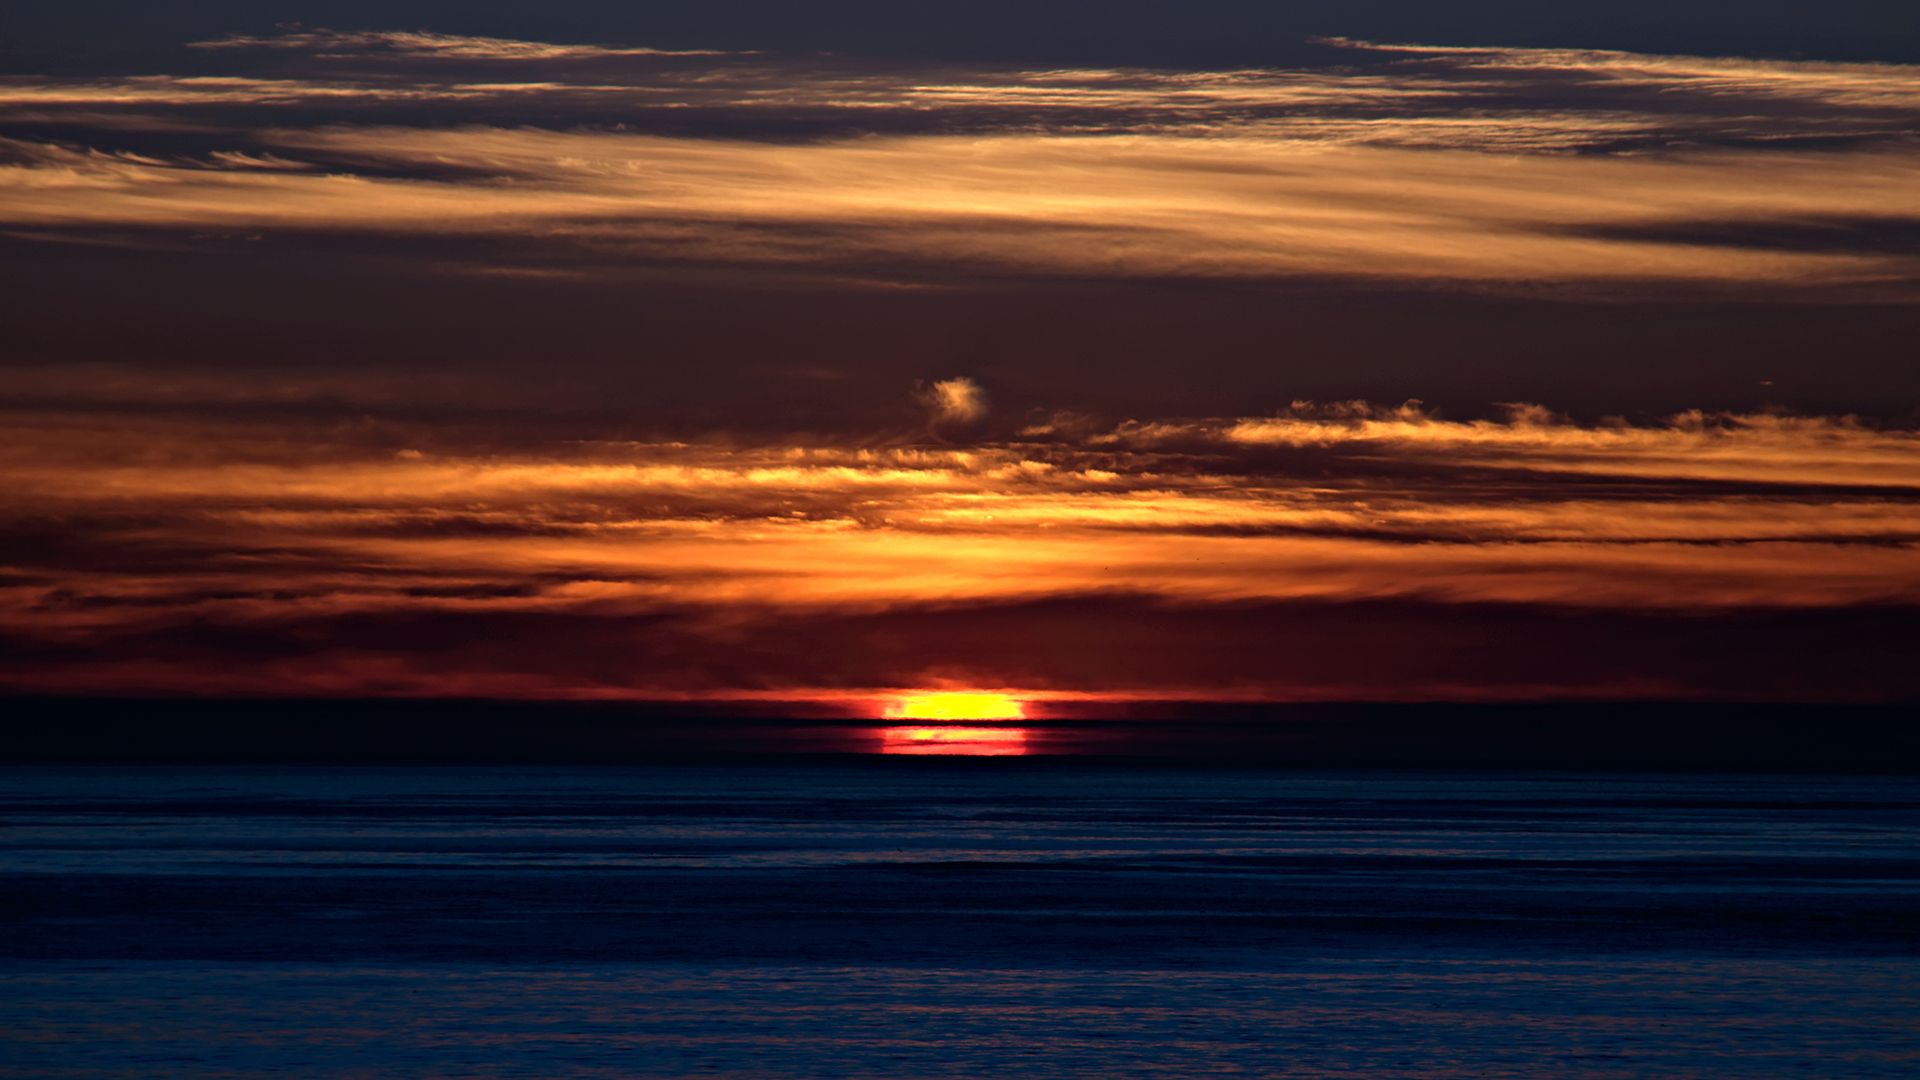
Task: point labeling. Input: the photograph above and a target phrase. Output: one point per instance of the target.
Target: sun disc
(956, 706)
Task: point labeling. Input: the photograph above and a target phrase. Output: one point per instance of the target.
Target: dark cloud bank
(458, 364)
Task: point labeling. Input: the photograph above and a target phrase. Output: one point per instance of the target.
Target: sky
(1090, 354)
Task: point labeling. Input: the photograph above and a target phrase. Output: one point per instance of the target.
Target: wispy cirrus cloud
(334, 44)
(1133, 206)
(1501, 100)
(1417, 165)
(1837, 85)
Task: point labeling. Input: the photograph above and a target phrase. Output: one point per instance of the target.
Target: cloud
(1125, 207)
(1497, 100)
(141, 552)
(1440, 167)
(122, 385)
(956, 408)
(1690, 514)
(414, 44)
(1894, 87)
(231, 520)
(1070, 653)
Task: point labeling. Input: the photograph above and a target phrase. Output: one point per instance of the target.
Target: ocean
(929, 917)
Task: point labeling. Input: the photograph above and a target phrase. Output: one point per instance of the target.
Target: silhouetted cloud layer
(135, 534)
(191, 513)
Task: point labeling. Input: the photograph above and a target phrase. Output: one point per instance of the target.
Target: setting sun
(956, 706)
(944, 739)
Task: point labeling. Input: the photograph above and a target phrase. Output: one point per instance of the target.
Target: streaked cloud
(1342, 505)
(286, 522)
(1415, 164)
(1502, 100)
(418, 43)
(1126, 206)
(1871, 86)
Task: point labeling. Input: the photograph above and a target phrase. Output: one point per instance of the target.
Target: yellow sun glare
(956, 706)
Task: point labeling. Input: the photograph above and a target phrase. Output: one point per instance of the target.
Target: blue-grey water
(909, 920)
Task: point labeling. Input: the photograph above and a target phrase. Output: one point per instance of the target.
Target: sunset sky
(1185, 353)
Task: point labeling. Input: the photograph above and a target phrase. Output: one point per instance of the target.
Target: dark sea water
(926, 919)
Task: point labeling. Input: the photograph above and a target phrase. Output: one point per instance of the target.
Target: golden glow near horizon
(294, 527)
(955, 741)
(955, 705)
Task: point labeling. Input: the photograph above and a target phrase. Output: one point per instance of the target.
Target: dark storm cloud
(1071, 656)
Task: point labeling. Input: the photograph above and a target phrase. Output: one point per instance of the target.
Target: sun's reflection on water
(973, 742)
